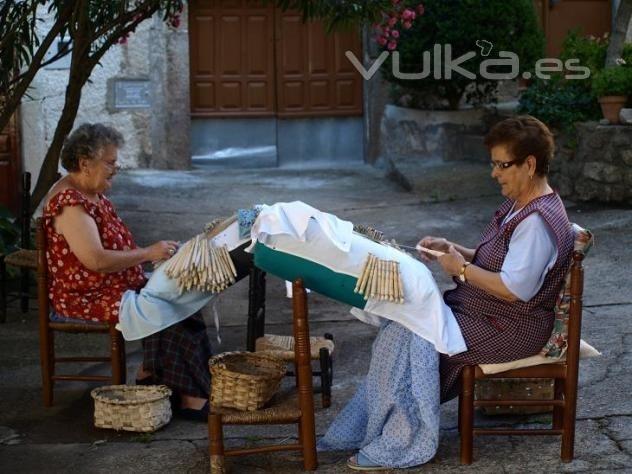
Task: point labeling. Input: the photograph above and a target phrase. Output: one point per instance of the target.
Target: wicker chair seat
(23, 259)
(283, 408)
(283, 346)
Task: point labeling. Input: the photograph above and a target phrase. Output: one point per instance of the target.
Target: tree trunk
(81, 66)
(617, 39)
(50, 166)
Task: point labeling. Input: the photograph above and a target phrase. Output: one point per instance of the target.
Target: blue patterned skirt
(393, 418)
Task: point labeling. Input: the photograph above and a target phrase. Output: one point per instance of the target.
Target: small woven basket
(244, 380)
(142, 408)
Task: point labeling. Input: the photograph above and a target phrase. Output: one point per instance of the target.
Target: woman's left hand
(452, 261)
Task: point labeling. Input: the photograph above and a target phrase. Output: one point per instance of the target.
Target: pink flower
(392, 45)
(395, 34)
(408, 14)
(392, 21)
(408, 25)
(382, 40)
(175, 21)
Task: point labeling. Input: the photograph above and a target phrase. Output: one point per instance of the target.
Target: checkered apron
(178, 357)
(498, 331)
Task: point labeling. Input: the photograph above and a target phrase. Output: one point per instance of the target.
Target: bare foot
(142, 373)
(194, 403)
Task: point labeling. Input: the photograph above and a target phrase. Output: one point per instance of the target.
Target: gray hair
(87, 141)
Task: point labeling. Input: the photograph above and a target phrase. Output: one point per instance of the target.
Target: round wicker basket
(244, 380)
(143, 408)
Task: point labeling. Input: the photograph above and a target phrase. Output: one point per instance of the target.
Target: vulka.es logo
(442, 65)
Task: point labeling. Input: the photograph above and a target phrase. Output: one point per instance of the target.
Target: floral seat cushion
(556, 346)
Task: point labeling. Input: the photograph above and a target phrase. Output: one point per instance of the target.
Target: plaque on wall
(132, 94)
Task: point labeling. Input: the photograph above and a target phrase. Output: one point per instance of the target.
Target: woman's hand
(451, 261)
(432, 243)
(161, 250)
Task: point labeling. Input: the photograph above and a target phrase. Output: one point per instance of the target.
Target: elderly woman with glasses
(505, 292)
(93, 261)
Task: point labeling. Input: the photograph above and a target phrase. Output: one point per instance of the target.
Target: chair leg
(568, 420)
(325, 378)
(216, 444)
(558, 412)
(123, 361)
(3, 290)
(307, 428)
(467, 414)
(331, 361)
(47, 362)
(459, 413)
(116, 348)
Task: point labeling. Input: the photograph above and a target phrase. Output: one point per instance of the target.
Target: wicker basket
(244, 380)
(143, 408)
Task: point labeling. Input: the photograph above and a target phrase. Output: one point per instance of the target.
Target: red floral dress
(74, 290)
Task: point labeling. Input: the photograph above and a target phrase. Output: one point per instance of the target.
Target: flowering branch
(402, 16)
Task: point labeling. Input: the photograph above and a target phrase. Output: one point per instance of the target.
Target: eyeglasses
(503, 165)
(111, 166)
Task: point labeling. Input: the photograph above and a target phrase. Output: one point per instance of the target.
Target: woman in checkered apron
(93, 262)
(503, 302)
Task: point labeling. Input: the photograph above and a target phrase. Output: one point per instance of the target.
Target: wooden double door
(558, 17)
(249, 59)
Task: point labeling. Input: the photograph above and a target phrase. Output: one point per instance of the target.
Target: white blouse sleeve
(532, 253)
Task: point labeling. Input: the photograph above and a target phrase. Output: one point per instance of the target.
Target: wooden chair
(297, 408)
(47, 335)
(322, 347)
(564, 373)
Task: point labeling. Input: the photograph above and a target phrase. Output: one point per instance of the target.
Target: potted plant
(612, 86)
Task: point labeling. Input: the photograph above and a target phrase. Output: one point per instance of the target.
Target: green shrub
(9, 232)
(559, 103)
(626, 55)
(509, 26)
(590, 51)
(615, 80)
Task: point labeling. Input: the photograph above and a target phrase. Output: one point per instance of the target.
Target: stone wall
(448, 135)
(156, 136)
(594, 164)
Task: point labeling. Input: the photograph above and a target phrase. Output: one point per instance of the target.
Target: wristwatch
(462, 272)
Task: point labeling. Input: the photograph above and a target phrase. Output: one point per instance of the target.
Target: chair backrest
(575, 317)
(557, 344)
(42, 273)
(25, 214)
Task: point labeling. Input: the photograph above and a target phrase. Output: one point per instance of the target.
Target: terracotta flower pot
(611, 105)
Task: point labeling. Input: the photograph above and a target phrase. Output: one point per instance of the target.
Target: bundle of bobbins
(381, 280)
(369, 232)
(199, 265)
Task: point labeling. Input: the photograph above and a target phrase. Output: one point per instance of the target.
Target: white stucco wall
(145, 56)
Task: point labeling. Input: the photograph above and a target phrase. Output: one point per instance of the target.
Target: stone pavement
(174, 204)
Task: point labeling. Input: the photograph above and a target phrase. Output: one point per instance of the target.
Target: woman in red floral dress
(93, 260)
